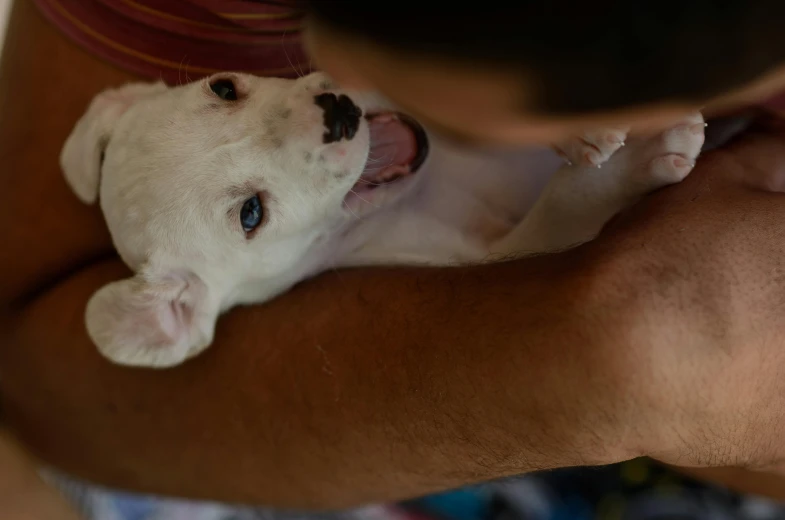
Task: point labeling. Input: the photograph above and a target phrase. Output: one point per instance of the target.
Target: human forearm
(358, 386)
(386, 384)
(256, 418)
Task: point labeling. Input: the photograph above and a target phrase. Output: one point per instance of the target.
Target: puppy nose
(341, 116)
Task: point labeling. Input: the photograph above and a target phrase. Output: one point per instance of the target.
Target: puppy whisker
(373, 161)
(371, 183)
(362, 199)
(299, 74)
(179, 71)
(187, 77)
(300, 66)
(351, 210)
(382, 158)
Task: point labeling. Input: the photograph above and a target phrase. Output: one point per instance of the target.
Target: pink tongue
(392, 144)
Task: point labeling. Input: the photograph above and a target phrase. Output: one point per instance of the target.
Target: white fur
(179, 163)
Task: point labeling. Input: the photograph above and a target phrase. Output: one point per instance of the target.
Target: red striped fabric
(178, 40)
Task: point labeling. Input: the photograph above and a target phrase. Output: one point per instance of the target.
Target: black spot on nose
(341, 116)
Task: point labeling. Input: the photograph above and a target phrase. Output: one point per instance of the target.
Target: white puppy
(230, 190)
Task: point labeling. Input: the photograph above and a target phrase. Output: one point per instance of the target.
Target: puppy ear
(155, 321)
(83, 151)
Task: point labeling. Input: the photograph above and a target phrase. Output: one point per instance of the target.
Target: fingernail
(680, 162)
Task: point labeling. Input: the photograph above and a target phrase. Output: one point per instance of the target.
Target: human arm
(442, 377)
(363, 385)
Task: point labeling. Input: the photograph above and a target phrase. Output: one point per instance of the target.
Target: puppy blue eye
(251, 214)
(224, 89)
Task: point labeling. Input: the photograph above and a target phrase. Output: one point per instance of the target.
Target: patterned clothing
(181, 40)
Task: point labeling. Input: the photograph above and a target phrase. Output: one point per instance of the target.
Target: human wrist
(619, 314)
(572, 379)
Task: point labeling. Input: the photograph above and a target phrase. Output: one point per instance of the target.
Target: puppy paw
(648, 163)
(592, 148)
(666, 158)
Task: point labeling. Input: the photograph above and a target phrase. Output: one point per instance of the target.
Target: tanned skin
(661, 338)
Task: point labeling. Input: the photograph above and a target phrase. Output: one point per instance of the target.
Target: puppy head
(215, 192)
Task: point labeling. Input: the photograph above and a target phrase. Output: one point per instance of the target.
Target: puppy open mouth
(399, 146)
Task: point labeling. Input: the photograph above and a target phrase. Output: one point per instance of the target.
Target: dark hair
(579, 55)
